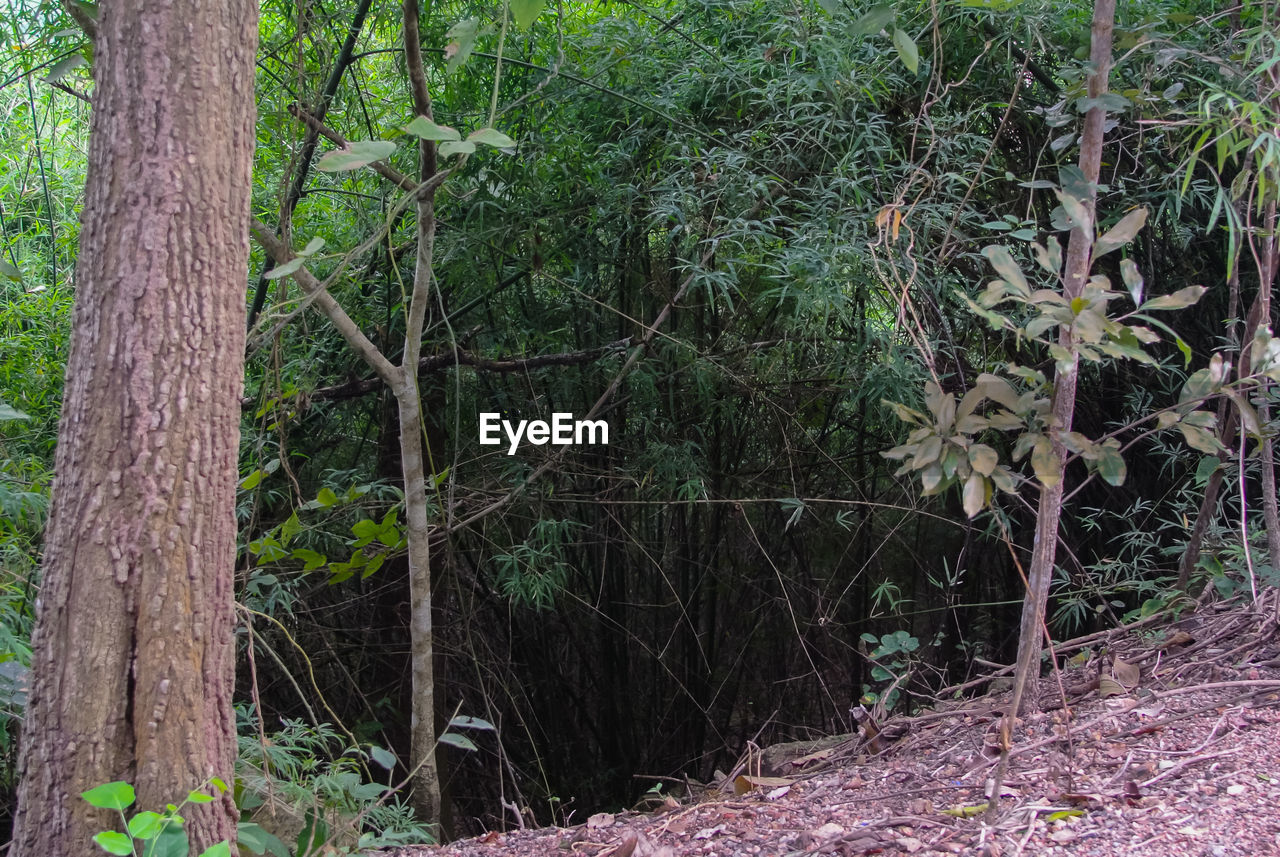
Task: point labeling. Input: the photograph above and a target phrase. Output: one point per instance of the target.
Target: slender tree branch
(326, 303)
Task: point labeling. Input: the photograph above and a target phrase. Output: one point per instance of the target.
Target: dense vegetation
(815, 182)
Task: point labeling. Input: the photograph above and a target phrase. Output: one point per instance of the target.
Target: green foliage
(148, 833)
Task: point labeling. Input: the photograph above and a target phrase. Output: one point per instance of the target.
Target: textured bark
(134, 657)
(1075, 274)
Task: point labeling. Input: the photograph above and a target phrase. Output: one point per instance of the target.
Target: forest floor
(1168, 744)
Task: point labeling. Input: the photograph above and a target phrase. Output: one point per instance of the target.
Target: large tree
(134, 657)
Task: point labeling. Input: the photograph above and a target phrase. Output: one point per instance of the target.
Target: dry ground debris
(1163, 740)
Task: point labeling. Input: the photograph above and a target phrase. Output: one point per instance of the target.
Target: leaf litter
(1166, 745)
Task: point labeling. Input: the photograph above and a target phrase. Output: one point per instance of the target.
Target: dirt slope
(1174, 751)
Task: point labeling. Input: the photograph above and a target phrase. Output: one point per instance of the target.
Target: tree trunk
(1075, 274)
(133, 646)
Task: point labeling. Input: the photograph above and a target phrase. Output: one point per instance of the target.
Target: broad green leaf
(9, 413)
(456, 147)
(10, 272)
(199, 797)
(1111, 466)
(382, 756)
(459, 741)
(117, 795)
(114, 842)
(326, 497)
(462, 41)
(311, 559)
(975, 494)
(374, 564)
(1199, 386)
(983, 459)
(428, 130)
(463, 721)
(525, 12)
(875, 20)
(65, 66)
(1120, 234)
(907, 50)
(491, 137)
(1179, 299)
(358, 154)
(1044, 461)
(146, 825)
(290, 528)
(286, 269)
(221, 849)
(931, 479)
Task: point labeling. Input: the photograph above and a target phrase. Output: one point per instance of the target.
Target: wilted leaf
(1199, 439)
(1000, 259)
(983, 458)
(975, 494)
(1044, 461)
(462, 41)
(1108, 687)
(1126, 673)
(1179, 299)
(1122, 233)
(743, 783)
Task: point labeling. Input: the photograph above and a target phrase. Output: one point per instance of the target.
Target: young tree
(134, 657)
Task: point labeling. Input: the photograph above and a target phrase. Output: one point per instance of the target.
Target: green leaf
(65, 66)
(1111, 466)
(146, 825)
(252, 836)
(311, 559)
(491, 137)
(525, 12)
(358, 154)
(199, 797)
(457, 147)
(1120, 234)
(9, 413)
(462, 41)
(382, 756)
(114, 842)
(326, 497)
(117, 795)
(428, 130)
(875, 20)
(10, 272)
(460, 741)
(221, 849)
(286, 269)
(463, 721)
(907, 50)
